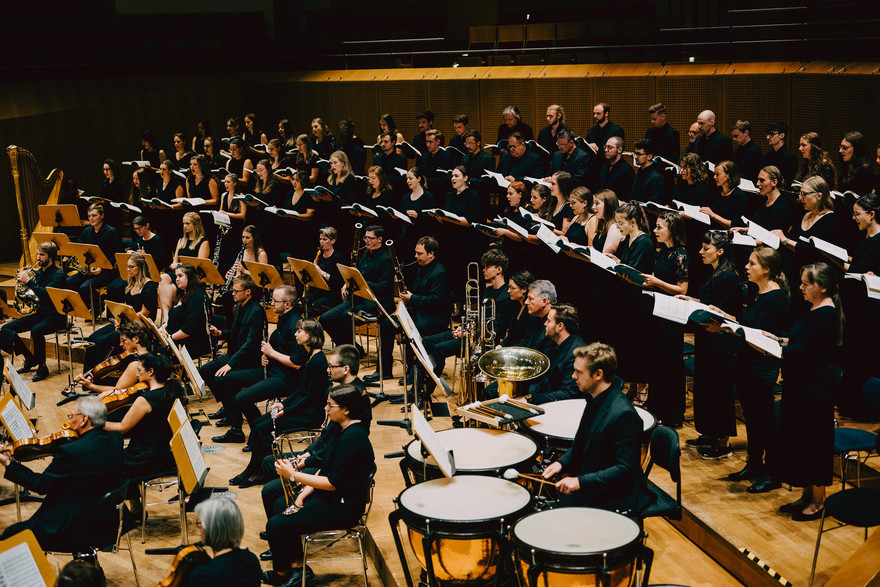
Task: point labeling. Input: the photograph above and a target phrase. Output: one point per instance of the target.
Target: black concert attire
(606, 455)
(148, 451)
(827, 228)
(564, 213)
(238, 568)
(357, 154)
(714, 148)
(325, 146)
(429, 305)
(557, 383)
(459, 244)
(320, 300)
(784, 160)
(45, 320)
(806, 416)
(299, 236)
(730, 207)
(825, 171)
(576, 163)
(650, 185)
(756, 376)
(505, 131)
(617, 177)
(529, 165)
(697, 194)
(166, 220)
(860, 182)
(863, 324)
(477, 166)
(390, 164)
(547, 138)
(110, 243)
(348, 463)
(182, 163)
(155, 247)
(190, 316)
(434, 167)
(666, 398)
(81, 472)
(376, 268)
(280, 379)
(632, 345)
(600, 135)
(106, 338)
(420, 142)
(523, 328)
(243, 340)
(457, 142)
(749, 160)
(189, 249)
(778, 215)
(715, 361)
(422, 224)
(667, 142)
(113, 192)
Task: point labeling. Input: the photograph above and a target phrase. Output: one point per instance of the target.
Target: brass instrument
(513, 368)
(26, 300)
(487, 325)
(399, 283)
(470, 336)
(356, 247)
(74, 267)
(287, 485)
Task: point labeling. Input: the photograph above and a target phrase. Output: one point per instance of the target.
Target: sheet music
(745, 240)
(872, 283)
(15, 422)
(409, 327)
(178, 410)
(401, 171)
(599, 258)
(670, 308)
(762, 234)
(194, 376)
(193, 450)
(534, 217)
(515, 227)
(536, 180)
(747, 185)
(19, 569)
(757, 339)
(828, 248)
(548, 237)
(21, 388)
(431, 441)
(693, 212)
(499, 179)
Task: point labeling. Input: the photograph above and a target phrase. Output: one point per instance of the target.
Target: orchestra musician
(221, 527)
(193, 243)
(561, 327)
(148, 242)
(320, 300)
(243, 339)
(603, 465)
(45, 320)
(133, 339)
(521, 321)
(108, 239)
(539, 301)
(81, 472)
(334, 498)
(187, 322)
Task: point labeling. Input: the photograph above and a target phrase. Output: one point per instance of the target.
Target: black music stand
(68, 302)
(90, 257)
(309, 274)
(357, 286)
(122, 264)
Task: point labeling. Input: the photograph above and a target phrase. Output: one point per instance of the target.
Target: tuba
(26, 301)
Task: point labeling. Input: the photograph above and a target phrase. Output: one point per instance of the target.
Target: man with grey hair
(81, 472)
(711, 145)
(569, 158)
(616, 175)
(222, 528)
(541, 296)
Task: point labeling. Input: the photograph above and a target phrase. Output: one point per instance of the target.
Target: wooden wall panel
(308, 101)
(742, 92)
(403, 100)
(685, 97)
(629, 99)
(360, 103)
(573, 94)
(496, 94)
(451, 97)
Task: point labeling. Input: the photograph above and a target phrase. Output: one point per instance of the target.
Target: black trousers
(227, 386)
(39, 326)
(755, 386)
(285, 532)
(80, 283)
(243, 403)
(337, 323)
(440, 347)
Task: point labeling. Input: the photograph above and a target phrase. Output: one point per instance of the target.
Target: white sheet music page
(193, 450)
(762, 234)
(432, 443)
(693, 212)
(19, 569)
(15, 421)
(671, 308)
(21, 388)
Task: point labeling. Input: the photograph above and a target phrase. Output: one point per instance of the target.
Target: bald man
(693, 133)
(711, 145)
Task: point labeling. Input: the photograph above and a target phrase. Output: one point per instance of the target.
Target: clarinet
(266, 366)
(228, 285)
(216, 259)
(211, 340)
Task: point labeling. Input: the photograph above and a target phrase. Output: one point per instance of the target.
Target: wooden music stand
(159, 334)
(309, 274)
(58, 215)
(19, 386)
(122, 264)
(9, 310)
(60, 239)
(177, 416)
(19, 428)
(191, 468)
(90, 256)
(68, 302)
(123, 313)
(205, 270)
(24, 562)
(265, 276)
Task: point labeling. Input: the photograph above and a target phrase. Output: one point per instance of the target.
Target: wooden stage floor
(721, 517)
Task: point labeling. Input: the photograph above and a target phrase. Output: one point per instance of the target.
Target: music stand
(58, 215)
(60, 239)
(68, 302)
(123, 313)
(205, 269)
(19, 386)
(91, 256)
(265, 276)
(191, 468)
(9, 310)
(421, 354)
(122, 264)
(309, 274)
(357, 286)
(18, 427)
(24, 561)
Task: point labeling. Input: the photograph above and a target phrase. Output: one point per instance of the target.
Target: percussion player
(603, 463)
(80, 473)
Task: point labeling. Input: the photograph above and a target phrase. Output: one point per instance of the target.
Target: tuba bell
(513, 368)
(26, 301)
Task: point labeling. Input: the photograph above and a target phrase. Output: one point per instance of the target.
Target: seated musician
(243, 339)
(448, 343)
(335, 498)
(520, 322)
(221, 526)
(193, 243)
(146, 425)
(110, 243)
(561, 327)
(43, 321)
(320, 300)
(187, 323)
(81, 472)
(375, 265)
(540, 298)
(141, 294)
(251, 250)
(603, 464)
(148, 241)
(281, 361)
(301, 410)
(133, 338)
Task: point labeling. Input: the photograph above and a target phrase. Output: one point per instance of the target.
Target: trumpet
(26, 300)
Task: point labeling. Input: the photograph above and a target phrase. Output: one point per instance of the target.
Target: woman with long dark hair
(203, 131)
(306, 159)
(325, 143)
(201, 183)
(187, 322)
(729, 203)
(561, 185)
(814, 160)
(193, 243)
(181, 156)
(856, 175)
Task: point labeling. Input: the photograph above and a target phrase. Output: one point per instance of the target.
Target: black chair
(852, 440)
(665, 453)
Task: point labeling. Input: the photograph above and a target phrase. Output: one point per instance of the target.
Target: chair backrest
(666, 452)
(371, 484)
(871, 395)
(108, 514)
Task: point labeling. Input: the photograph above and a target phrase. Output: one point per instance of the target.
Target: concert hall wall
(75, 125)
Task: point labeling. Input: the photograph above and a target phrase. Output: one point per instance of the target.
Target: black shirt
(107, 238)
(748, 160)
(576, 163)
(715, 148)
(529, 165)
(238, 568)
(505, 309)
(430, 301)
(283, 340)
(649, 185)
(465, 204)
(348, 464)
(147, 298)
(51, 276)
(190, 317)
(155, 247)
(617, 178)
(150, 437)
(666, 142)
(505, 131)
(547, 138)
(784, 160)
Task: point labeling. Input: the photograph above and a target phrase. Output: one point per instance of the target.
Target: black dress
(302, 234)
(191, 317)
(190, 249)
(697, 194)
(460, 245)
(715, 361)
(631, 341)
(826, 228)
(148, 451)
(807, 412)
(422, 224)
(666, 399)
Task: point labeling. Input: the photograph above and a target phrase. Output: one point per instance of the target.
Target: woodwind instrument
(216, 260)
(356, 247)
(26, 300)
(399, 283)
(227, 287)
(211, 341)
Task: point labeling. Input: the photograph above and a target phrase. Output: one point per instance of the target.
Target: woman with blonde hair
(193, 243)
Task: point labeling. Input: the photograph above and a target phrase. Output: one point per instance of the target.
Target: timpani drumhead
(479, 449)
(576, 531)
(465, 498)
(562, 418)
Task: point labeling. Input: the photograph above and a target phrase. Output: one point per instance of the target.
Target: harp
(31, 191)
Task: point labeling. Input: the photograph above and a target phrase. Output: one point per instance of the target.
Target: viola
(183, 565)
(123, 398)
(29, 449)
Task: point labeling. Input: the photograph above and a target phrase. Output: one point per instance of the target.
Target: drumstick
(498, 413)
(485, 412)
(511, 474)
(506, 399)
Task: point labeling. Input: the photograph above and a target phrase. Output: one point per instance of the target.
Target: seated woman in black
(222, 527)
(335, 498)
(522, 323)
(187, 323)
(146, 425)
(193, 243)
(149, 242)
(319, 300)
(150, 151)
(133, 339)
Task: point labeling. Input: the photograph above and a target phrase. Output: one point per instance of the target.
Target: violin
(183, 565)
(103, 369)
(29, 449)
(122, 398)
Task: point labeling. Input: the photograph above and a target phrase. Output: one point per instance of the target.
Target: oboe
(266, 366)
(211, 340)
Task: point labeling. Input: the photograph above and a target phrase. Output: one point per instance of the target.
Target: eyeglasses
(70, 416)
(804, 194)
(331, 406)
(771, 134)
(857, 214)
(277, 301)
(610, 148)
(845, 148)
(370, 238)
(329, 366)
(237, 290)
(639, 155)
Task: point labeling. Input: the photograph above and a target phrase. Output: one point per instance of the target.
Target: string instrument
(122, 398)
(28, 449)
(103, 369)
(356, 247)
(184, 563)
(399, 283)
